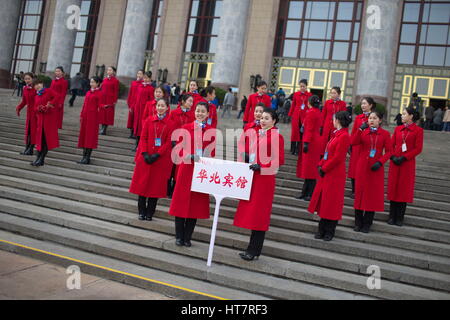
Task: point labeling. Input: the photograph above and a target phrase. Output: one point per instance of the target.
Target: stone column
(64, 32)
(378, 47)
(134, 38)
(9, 19)
(230, 43)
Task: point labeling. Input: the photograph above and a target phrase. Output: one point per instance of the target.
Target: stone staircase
(69, 214)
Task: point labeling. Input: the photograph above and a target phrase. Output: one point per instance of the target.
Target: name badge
(157, 142)
(325, 156)
(303, 106)
(209, 121)
(404, 148)
(372, 153)
(199, 152)
(252, 157)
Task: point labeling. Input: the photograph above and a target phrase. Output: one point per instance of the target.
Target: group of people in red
(320, 137)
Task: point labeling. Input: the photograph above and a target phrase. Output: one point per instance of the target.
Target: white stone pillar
(230, 43)
(9, 19)
(134, 38)
(64, 32)
(378, 49)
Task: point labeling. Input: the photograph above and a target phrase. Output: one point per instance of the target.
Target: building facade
(387, 49)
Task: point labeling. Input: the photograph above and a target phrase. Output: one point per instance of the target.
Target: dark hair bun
(315, 101)
(414, 113)
(344, 118)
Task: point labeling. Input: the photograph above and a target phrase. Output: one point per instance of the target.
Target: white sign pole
(214, 228)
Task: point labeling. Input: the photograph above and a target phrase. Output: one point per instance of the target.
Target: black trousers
(397, 211)
(327, 227)
(364, 218)
(256, 242)
(74, 93)
(147, 206)
(184, 228)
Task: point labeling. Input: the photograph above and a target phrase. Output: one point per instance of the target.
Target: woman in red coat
(193, 91)
(28, 97)
(150, 106)
(331, 107)
(188, 206)
(259, 97)
(88, 137)
(407, 144)
(60, 86)
(144, 94)
(255, 213)
(209, 94)
(298, 113)
(153, 161)
(367, 106)
(180, 117)
(110, 95)
(46, 104)
(328, 197)
(248, 140)
(131, 100)
(375, 149)
(312, 144)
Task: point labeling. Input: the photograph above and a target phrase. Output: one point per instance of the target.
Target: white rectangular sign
(227, 179)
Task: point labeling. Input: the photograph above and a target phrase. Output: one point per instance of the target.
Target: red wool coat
(245, 144)
(402, 178)
(60, 87)
(110, 95)
(298, 114)
(197, 98)
(186, 203)
(131, 101)
(89, 120)
(330, 108)
(28, 98)
(253, 100)
(150, 180)
(328, 197)
(47, 119)
(307, 162)
(181, 118)
(354, 157)
(149, 110)
(369, 187)
(145, 93)
(255, 213)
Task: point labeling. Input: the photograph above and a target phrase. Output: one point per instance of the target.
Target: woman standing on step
(298, 113)
(209, 94)
(60, 86)
(197, 140)
(145, 93)
(331, 107)
(248, 140)
(150, 106)
(153, 161)
(375, 149)
(28, 97)
(260, 96)
(311, 148)
(110, 95)
(131, 101)
(367, 105)
(407, 144)
(328, 197)
(255, 213)
(193, 91)
(47, 106)
(89, 118)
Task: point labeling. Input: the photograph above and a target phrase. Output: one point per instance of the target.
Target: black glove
(255, 167)
(396, 160)
(321, 173)
(305, 147)
(246, 157)
(154, 157)
(376, 166)
(401, 160)
(147, 157)
(364, 126)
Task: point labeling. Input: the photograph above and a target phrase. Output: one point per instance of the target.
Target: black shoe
(365, 229)
(327, 237)
(357, 228)
(179, 242)
(318, 236)
(307, 198)
(302, 196)
(29, 151)
(399, 223)
(187, 243)
(391, 221)
(148, 218)
(26, 151)
(249, 257)
(141, 217)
